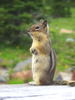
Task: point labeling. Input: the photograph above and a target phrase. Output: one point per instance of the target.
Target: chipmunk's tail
(70, 83)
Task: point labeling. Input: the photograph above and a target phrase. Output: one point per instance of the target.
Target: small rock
(21, 65)
(70, 40)
(1, 62)
(3, 79)
(68, 70)
(73, 76)
(4, 76)
(24, 75)
(63, 76)
(58, 77)
(65, 31)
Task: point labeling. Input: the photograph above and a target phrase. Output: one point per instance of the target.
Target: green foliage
(18, 81)
(12, 55)
(73, 3)
(60, 8)
(15, 81)
(15, 18)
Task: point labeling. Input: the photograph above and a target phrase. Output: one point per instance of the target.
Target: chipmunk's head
(41, 27)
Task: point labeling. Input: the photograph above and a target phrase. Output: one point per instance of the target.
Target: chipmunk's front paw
(34, 51)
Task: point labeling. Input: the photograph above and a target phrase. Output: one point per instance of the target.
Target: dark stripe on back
(50, 60)
(54, 58)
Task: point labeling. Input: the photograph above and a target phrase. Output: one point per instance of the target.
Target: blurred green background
(16, 16)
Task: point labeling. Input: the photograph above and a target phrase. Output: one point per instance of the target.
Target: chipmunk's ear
(41, 21)
(44, 23)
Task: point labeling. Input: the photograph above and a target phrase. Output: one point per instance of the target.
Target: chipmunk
(43, 55)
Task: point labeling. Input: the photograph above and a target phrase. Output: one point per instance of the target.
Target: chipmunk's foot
(32, 83)
(71, 83)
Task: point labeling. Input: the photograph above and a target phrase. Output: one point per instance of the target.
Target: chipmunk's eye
(37, 27)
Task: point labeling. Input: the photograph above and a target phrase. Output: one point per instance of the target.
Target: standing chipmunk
(43, 55)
